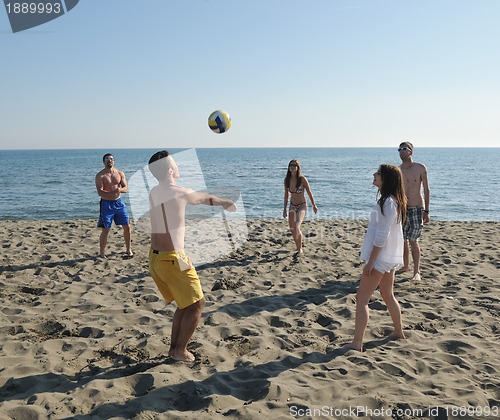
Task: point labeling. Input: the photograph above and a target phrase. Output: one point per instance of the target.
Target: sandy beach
(82, 337)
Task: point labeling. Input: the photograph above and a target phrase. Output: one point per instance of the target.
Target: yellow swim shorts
(174, 284)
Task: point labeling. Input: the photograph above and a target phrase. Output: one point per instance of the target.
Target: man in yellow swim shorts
(169, 265)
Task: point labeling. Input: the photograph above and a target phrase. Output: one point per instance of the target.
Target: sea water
(60, 184)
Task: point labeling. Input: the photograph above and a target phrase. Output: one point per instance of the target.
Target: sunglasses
(403, 149)
(292, 165)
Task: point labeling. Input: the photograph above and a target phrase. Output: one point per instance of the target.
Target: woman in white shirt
(382, 251)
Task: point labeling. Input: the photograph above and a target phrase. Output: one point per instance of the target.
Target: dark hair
(289, 174)
(158, 165)
(392, 184)
(106, 155)
(407, 143)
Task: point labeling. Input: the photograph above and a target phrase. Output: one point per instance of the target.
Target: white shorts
(385, 267)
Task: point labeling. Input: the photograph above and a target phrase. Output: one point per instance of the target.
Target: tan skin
(370, 280)
(416, 181)
(110, 184)
(170, 238)
(296, 217)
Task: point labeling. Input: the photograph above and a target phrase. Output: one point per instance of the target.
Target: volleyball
(219, 121)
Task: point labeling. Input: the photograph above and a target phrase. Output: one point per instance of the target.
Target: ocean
(59, 184)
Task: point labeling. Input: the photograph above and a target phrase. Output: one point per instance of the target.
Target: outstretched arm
(196, 198)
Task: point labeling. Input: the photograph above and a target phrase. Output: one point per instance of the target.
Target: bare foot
(103, 256)
(397, 336)
(352, 346)
(402, 270)
(185, 356)
(298, 253)
(416, 277)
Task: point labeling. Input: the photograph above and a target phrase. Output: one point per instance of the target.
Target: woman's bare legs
(295, 220)
(387, 292)
(365, 291)
(367, 286)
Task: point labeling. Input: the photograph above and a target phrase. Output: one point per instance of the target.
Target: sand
(82, 337)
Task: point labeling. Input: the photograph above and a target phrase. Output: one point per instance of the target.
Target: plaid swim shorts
(414, 223)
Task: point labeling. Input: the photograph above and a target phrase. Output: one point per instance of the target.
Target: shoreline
(315, 219)
(81, 336)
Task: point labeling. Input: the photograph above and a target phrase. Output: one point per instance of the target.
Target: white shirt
(386, 232)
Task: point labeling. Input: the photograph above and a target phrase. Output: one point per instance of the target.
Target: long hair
(392, 184)
(289, 174)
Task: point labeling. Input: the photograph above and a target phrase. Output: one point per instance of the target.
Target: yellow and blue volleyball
(219, 121)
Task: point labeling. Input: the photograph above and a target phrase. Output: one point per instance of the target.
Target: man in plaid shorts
(417, 213)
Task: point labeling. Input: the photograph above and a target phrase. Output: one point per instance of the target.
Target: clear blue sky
(316, 73)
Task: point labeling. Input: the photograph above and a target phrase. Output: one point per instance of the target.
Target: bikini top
(299, 190)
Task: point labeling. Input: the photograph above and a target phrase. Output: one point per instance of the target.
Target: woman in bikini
(295, 186)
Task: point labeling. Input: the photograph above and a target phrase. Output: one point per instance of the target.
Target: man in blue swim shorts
(110, 184)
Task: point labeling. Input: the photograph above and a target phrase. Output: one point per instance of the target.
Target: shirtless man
(415, 178)
(170, 267)
(110, 184)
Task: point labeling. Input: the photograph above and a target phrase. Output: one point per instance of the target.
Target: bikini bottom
(296, 207)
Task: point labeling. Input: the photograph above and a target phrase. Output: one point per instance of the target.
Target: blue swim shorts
(112, 210)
